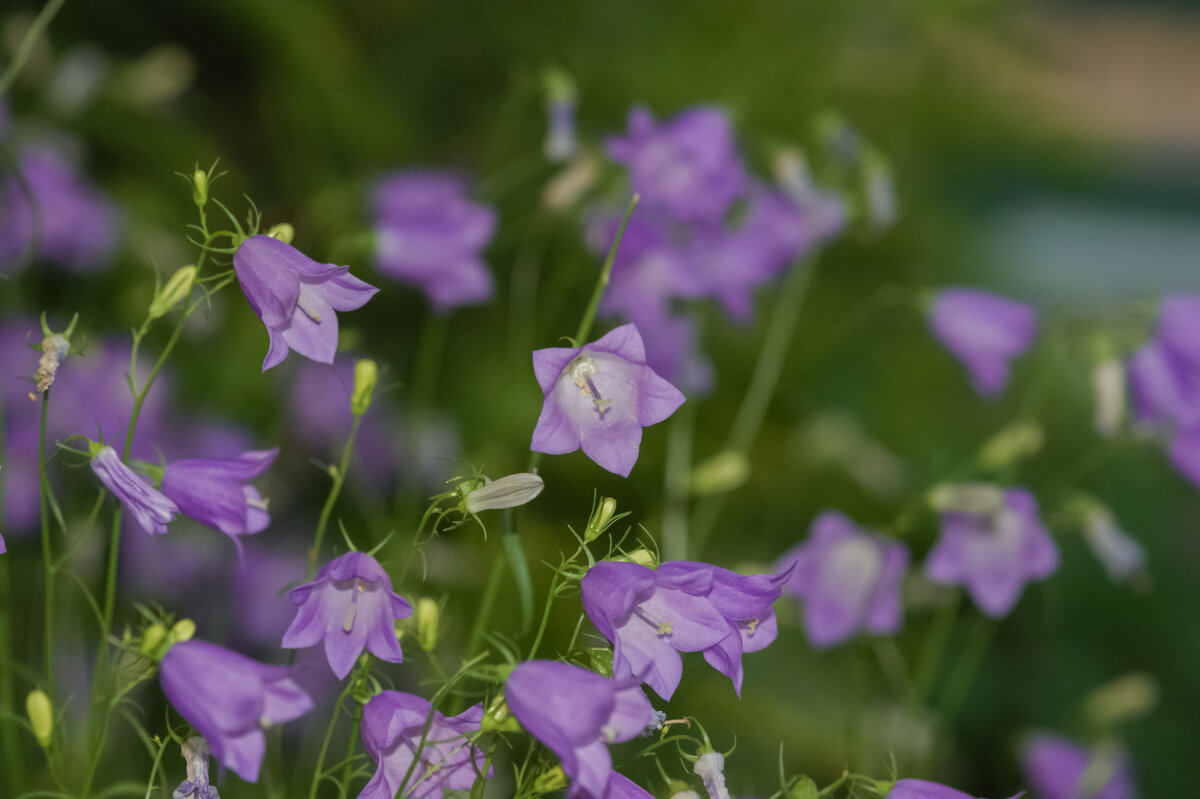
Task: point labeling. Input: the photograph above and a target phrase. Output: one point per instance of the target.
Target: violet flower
(230, 699)
(351, 606)
(1058, 768)
(984, 331)
(651, 616)
(621, 787)
(599, 397)
(993, 554)
(393, 726)
(149, 507)
(923, 789)
(576, 713)
(847, 579)
(295, 297)
(688, 165)
(430, 235)
(213, 492)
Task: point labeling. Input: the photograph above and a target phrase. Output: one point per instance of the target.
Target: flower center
(662, 627)
(582, 370)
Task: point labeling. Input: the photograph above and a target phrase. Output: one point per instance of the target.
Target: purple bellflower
(994, 553)
(216, 493)
(689, 165)
(429, 234)
(295, 297)
(576, 713)
(351, 606)
(1058, 768)
(229, 699)
(148, 506)
(847, 579)
(983, 331)
(651, 616)
(923, 789)
(599, 397)
(393, 724)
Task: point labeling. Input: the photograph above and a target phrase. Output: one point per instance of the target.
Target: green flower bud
(175, 291)
(427, 623)
(200, 188)
(640, 556)
(183, 630)
(601, 659)
(151, 638)
(283, 231)
(723, 472)
(498, 718)
(365, 375)
(1126, 698)
(601, 518)
(974, 498)
(1014, 443)
(801, 788)
(548, 782)
(41, 715)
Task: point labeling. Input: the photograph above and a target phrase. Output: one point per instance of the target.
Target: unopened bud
(183, 630)
(601, 518)
(366, 373)
(498, 718)
(802, 788)
(641, 556)
(200, 188)
(710, 767)
(283, 231)
(550, 781)
(681, 790)
(975, 498)
(1014, 443)
(152, 637)
(175, 291)
(723, 472)
(55, 348)
(507, 492)
(1126, 698)
(1108, 389)
(601, 660)
(427, 623)
(41, 715)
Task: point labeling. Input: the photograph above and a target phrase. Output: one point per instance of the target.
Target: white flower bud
(975, 498)
(1108, 389)
(507, 492)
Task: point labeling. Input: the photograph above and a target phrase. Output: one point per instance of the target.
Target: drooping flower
(217, 493)
(1058, 768)
(196, 786)
(847, 579)
(599, 397)
(230, 699)
(576, 713)
(393, 726)
(993, 553)
(295, 297)
(984, 331)
(923, 789)
(351, 606)
(651, 616)
(148, 506)
(430, 235)
(689, 165)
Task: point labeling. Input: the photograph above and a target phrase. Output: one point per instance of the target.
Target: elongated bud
(41, 715)
(974, 498)
(1126, 698)
(1108, 388)
(175, 291)
(152, 637)
(498, 718)
(283, 231)
(427, 623)
(641, 556)
(723, 472)
(200, 188)
(802, 788)
(183, 630)
(710, 767)
(507, 492)
(1014, 443)
(548, 782)
(601, 518)
(366, 373)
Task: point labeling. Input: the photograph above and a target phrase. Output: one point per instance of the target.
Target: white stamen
(302, 305)
(352, 608)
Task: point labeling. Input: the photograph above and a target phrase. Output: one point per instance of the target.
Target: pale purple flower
(392, 727)
(651, 616)
(923, 789)
(218, 493)
(351, 606)
(688, 165)
(430, 235)
(1058, 768)
(984, 331)
(993, 554)
(621, 787)
(577, 713)
(196, 786)
(599, 397)
(72, 223)
(149, 507)
(295, 297)
(230, 699)
(847, 580)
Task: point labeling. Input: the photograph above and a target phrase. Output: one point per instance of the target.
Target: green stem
(35, 32)
(428, 365)
(589, 315)
(680, 436)
(47, 549)
(515, 555)
(483, 617)
(350, 745)
(317, 776)
(339, 478)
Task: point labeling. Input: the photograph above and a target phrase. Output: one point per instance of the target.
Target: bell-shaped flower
(984, 331)
(395, 735)
(295, 297)
(847, 579)
(924, 789)
(429, 234)
(577, 713)
(651, 616)
(230, 699)
(599, 397)
(993, 553)
(148, 506)
(217, 492)
(351, 606)
(1058, 768)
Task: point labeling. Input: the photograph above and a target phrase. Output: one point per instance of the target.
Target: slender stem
(339, 478)
(483, 616)
(680, 436)
(35, 32)
(515, 555)
(537, 639)
(337, 709)
(350, 745)
(47, 549)
(589, 315)
(427, 367)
